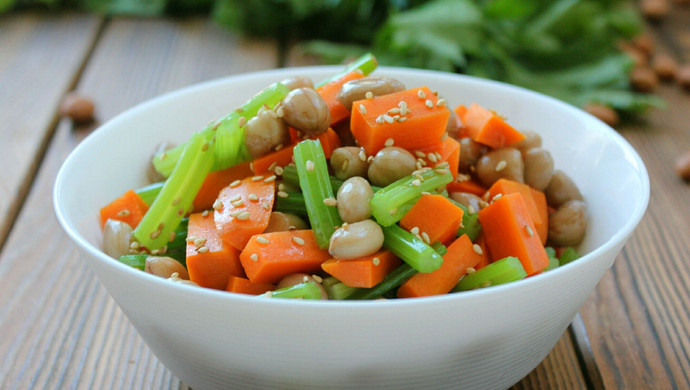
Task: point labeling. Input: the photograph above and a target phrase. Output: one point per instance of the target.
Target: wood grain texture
(60, 329)
(40, 56)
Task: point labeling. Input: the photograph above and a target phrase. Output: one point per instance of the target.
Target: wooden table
(60, 329)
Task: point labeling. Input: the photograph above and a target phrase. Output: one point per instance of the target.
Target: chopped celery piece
(307, 290)
(411, 249)
(506, 270)
(567, 255)
(470, 222)
(336, 289)
(149, 193)
(177, 248)
(392, 281)
(550, 251)
(439, 248)
(229, 136)
(291, 202)
(290, 176)
(316, 187)
(176, 196)
(553, 263)
(389, 204)
(366, 63)
(136, 261)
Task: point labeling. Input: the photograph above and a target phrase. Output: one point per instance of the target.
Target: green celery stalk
(290, 177)
(336, 289)
(177, 248)
(293, 203)
(366, 63)
(413, 251)
(307, 290)
(229, 136)
(506, 270)
(177, 195)
(312, 169)
(389, 204)
(569, 254)
(392, 281)
(553, 263)
(439, 248)
(470, 222)
(135, 261)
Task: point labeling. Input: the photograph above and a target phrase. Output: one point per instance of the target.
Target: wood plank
(40, 55)
(60, 329)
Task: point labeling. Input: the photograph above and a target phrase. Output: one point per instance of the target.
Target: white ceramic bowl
(483, 339)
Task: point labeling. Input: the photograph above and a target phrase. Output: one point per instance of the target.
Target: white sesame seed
(278, 171)
(257, 178)
(156, 252)
(362, 155)
(369, 95)
(123, 213)
(265, 205)
(389, 142)
(470, 270)
(418, 165)
(462, 177)
(497, 197)
(419, 153)
(254, 257)
(362, 109)
(243, 216)
(202, 249)
(416, 182)
(272, 166)
(376, 261)
(471, 209)
(241, 121)
(234, 214)
(393, 111)
(176, 201)
(486, 284)
(432, 157)
(441, 171)
(370, 159)
(298, 240)
(429, 103)
(330, 202)
(317, 278)
(501, 165)
(270, 179)
(279, 112)
(253, 197)
(477, 249)
(414, 230)
(204, 213)
(310, 165)
(238, 203)
(305, 279)
(426, 238)
(135, 245)
(199, 241)
(263, 240)
(393, 211)
(236, 198)
(388, 118)
(530, 232)
(440, 102)
(235, 183)
(379, 119)
(278, 147)
(217, 204)
(283, 194)
(421, 94)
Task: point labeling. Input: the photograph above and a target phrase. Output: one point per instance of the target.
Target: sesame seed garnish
(379, 119)
(345, 225)
(477, 249)
(376, 261)
(389, 142)
(393, 111)
(362, 109)
(254, 257)
(422, 161)
(235, 183)
(393, 211)
(486, 284)
(419, 154)
(470, 270)
(426, 238)
(305, 279)
(416, 182)
(529, 231)
(317, 278)
(298, 240)
(497, 197)
(236, 198)
(199, 241)
(418, 165)
(180, 212)
(278, 170)
(432, 157)
(241, 121)
(471, 209)
(414, 230)
(441, 171)
(253, 197)
(283, 194)
(440, 102)
(204, 147)
(263, 240)
(438, 156)
(362, 155)
(444, 136)
(123, 213)
(278, 147)
(501, 165)
(421, 94)
(161, 226)
(135, 245)
(217, 204)
(369, 95)
(426, 193)
(204, 213)
(388, 118)
(251, 166)
(281, 187)
(234, 214)
(237, 203)
(310, 165)
(429, 103)
(156, 252)
(280, 112)
(243, 216)
(155, 234)
(164, 156)
(265, 205)
(401, 118)
(257, 178)
(462, 177)
(272, 166)
(330, 202)
(344, 165)
(270, 179)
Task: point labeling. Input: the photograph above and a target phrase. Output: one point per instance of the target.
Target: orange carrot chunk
(266, 164)
(128, 208)
(269, 257)
(505, 186)
(460, 112)
(488, 128)
(243, 209)
(540, 201)
(376, 120)
(466, 185)
(460, 256)
(364, 272)
(210, 261)
(216, 181)
(434, 217)
(484, 250)
(245, 286)
(329, 92)
(509, 231)
(448, 151)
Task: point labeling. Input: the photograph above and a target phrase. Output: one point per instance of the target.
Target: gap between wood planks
(20, 198)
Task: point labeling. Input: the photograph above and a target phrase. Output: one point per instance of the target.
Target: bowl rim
(205, 293)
